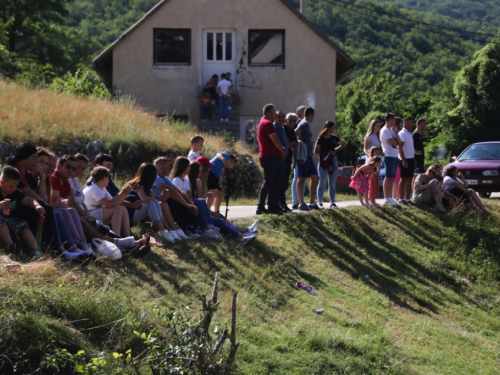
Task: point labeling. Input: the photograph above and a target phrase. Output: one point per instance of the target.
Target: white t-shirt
(406, 137)
(224, 86)
(93, 194)
(193, 155)
(447, 183)
(182, 184)
(387, 148)
(74, 182)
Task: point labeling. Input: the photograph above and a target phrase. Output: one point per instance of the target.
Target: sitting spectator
(82, 162)
(11, 199)
(206, 107)
(455, 184)
(426, 189)
(103, 206)
(179, 178)
(211, 87)
(196, 146)
(143, 183)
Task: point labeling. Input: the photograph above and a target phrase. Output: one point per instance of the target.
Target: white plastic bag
(107, 249)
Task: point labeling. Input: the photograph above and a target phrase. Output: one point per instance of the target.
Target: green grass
(405, 291)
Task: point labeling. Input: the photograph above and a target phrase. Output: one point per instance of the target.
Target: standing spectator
(374, 180)
(308, 169)
(407, 164)
(211, 87)
(300, 111)
(279, 125)
(326, 147)
(360, 178)
(389, 143)
(196, 146)
(271, 151)
(291, 122)
(223, 89)
(228, 78)
(372, 137)
(419, 146)
(206, 106)
(214, 183)
(395, 183)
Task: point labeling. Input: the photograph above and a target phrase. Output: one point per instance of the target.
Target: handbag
(107, 249)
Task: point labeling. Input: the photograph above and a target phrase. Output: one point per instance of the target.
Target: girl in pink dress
(360, 178)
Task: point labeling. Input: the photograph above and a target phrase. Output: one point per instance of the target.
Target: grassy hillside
(48, 118)
(404, 291)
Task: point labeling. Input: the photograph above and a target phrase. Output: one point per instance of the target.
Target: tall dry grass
(48, 118)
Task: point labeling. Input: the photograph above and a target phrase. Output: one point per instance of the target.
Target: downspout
(303, 7)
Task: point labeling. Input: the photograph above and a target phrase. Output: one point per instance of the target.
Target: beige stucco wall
(308, 77)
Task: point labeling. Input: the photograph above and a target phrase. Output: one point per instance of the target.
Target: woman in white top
(178, 176)
(372, 136)
(103, 206)
(82, 163)
(455, 184)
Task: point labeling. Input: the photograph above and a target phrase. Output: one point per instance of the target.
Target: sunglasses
(70, 167)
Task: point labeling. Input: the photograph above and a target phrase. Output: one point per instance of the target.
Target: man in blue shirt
(220, 161)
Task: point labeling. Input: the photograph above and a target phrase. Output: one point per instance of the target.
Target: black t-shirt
(30, 179)
(15, 199)
(290, 134)
(328, 144)
(418, 145)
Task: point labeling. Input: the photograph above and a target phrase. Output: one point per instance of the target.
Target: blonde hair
(371, 127)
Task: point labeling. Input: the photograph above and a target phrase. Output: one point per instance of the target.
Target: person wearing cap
(214, 183)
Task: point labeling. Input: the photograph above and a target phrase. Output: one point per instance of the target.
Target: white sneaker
(215, 229)
(181, 234)
(192, 236)
(212, 234)
(393, 202)
(245, 240)
(229, 108)
(72, 254)
(222, 119)
(254, 227)
(174, 235)
(87, 251)
(166, 236)
(387, 201)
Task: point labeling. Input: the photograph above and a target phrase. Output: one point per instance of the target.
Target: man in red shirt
(271, 152)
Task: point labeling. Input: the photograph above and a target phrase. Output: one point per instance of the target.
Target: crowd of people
(46, 206)
(286, 143)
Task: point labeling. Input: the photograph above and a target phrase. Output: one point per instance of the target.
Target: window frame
(276, 31)
(190, 47)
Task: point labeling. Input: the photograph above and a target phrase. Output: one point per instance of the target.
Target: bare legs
(118, 217)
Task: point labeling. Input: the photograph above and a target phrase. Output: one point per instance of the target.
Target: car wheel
(485, 194)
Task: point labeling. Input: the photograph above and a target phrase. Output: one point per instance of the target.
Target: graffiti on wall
(246, 78)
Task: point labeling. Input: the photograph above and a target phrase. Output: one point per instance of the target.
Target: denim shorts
(307, 169)
(391, 164)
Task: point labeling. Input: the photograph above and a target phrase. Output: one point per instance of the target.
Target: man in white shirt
(389, 144)
(407, 160)
(224, 89)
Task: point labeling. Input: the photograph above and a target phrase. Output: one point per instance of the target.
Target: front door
(218, 53)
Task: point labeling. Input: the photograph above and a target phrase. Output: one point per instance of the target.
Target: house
(274, 53)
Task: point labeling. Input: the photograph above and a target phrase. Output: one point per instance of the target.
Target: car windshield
(481, 152)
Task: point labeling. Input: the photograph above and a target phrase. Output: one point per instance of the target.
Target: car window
(482, 152)
(345, 172)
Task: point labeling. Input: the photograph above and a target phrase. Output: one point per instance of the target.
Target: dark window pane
(172, 46)
(219, 46)
(210, 46)
(229, 46)
(266, 47)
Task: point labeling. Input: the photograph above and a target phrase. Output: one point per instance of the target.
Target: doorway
(219, 53)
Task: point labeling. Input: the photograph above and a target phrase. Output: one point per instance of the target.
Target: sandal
(142, 251)
(144, 241)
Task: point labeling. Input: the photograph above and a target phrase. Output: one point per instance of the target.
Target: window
(172, 46)
(222, 44)
(266, 48)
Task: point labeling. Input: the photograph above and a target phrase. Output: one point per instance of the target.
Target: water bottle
(306, 287)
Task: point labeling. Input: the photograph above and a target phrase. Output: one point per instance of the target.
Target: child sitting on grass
(10, 199)
(361, 176)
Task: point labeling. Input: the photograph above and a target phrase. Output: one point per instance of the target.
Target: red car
(344, 175)
(480, 166)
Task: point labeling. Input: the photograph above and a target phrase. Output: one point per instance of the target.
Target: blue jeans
(225, 229)
(325, 177)
(62, 231)
(295, 197)
(206, 113)
(149, 209)
(203, 213)
(224, 107)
